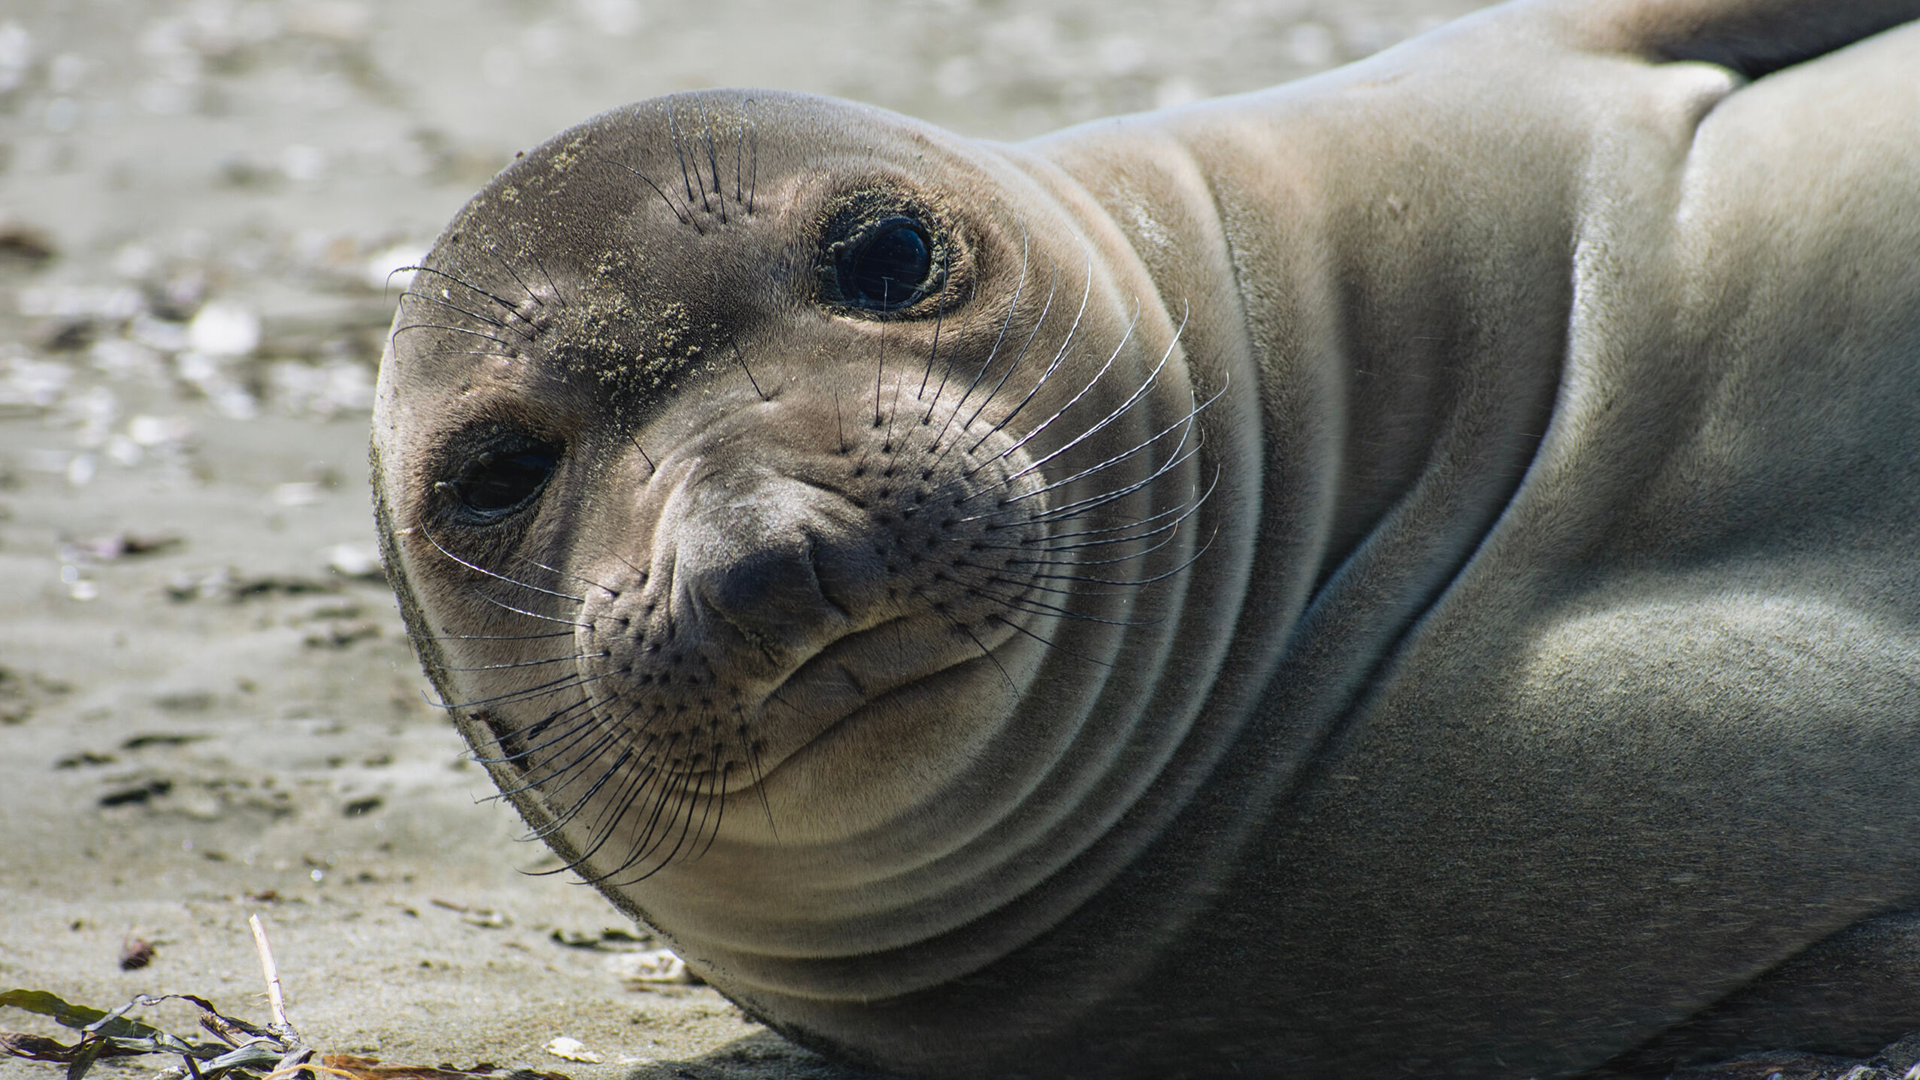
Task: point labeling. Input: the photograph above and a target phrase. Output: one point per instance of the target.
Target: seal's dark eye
(496, 482)
(887, 267)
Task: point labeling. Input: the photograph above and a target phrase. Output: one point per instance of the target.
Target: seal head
(753, 492)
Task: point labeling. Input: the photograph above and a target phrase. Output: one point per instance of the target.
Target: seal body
(1417, 570)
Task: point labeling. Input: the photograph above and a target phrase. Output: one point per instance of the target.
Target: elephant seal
(1414, 571)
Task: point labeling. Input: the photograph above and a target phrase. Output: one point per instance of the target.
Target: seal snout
(763, 556)
(781, 577)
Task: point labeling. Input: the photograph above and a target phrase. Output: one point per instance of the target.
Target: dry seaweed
(241, 1050)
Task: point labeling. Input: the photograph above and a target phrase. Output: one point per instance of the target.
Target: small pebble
(567, 1048)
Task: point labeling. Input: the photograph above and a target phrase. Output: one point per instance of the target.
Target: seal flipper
(1752, 37)
(1849, 995)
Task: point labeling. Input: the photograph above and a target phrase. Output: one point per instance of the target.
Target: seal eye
(498, 481)
(887, 267)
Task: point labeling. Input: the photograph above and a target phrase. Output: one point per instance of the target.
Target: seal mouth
(837, 665)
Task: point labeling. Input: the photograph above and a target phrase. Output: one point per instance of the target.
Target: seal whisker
(558, 296)
(1077, 396)
(966, 320)
(1046, 308)
(549, 774)
(533, 663)
(1118, 411)
(984, 651)
(1019, 286)
(753, 169)
(512, 273)
(1054, 645)
(637, 572)
(713, 161)
(684, 801)
(525, 694)
(1026, 584)
(1066, 481)
(880, 369)
(1066, 343)
(544, 774)
(893, 410)
(1094, 502)
(512, 311)
(717, 804)
(1050, 542)
(489, 573)
(739, 145)
(1171, 527)
(644, 456)
(561, 820)
(491, 637)
(685, 217)
(651, 835)
(493, 354)
(1162, 576)
(1034, 606)
(451, 306)
(557, 822)
(452, 329)
(647, 843)
(557, 572)
(758, 776)
(687, 173)
(939, 316)
(534, 731)
(1171, 531)
(1184, 425)
(751, 381)
(600, 833)
(538, 728)
(533, 614)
